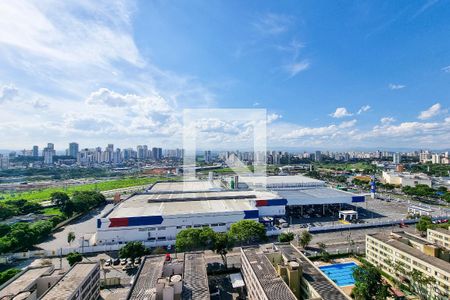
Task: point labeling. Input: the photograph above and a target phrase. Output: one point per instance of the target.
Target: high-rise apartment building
(35, 151)
(396, 158)
(157, 153)
(48, 153)
(318, 156)
(73, 150)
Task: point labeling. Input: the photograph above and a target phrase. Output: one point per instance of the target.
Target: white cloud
(393, 86)
(273, 117)
(446, 69)
(8, 92)
(273, 24)
(433, 111)
(149, 104)
(53, 31)
(340, 113)
(296, 67)
(324, 131)
(363, 109)
(39, 104)
(256, 104)
(387, 120)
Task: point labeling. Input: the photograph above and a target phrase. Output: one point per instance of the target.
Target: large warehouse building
(166, 208)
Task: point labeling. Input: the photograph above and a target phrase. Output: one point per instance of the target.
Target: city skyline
(122, 73)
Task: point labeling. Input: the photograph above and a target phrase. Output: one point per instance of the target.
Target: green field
(44, 194)
(345, 166)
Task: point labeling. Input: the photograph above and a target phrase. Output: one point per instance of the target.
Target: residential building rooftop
(68, 283)
(195, 279)
(316, 278)
(144, 286)
(23, 281)
(272, 284)
(395, 243)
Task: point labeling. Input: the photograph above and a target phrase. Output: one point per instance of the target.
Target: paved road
(85, 226)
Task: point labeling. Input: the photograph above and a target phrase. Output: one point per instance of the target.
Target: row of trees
(81, 201)
(24, 235)
(245, 232)
(423, 190)
(12, 208)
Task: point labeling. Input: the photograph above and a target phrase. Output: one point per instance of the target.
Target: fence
(80, 249)
(368, 225)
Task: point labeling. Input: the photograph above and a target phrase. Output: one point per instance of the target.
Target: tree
(368, 284)
(195, 239)
(248, 232)
(73, 258)
(222, 244)
(70, 237)
(419, 283)
(7, 275)
(68, 208)
(305, 239)
(59, 198)
(132, 250)
(424, 223)
(286, 237)
(4, 229)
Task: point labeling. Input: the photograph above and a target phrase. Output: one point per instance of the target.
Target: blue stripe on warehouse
(358, 199)
(149, 220)
(251, 214)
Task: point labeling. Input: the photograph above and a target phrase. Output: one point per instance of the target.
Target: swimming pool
(341, 274)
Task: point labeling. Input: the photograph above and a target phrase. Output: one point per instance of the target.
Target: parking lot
(84, 227)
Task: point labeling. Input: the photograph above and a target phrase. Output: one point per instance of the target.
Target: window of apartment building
(161, 228)
(161, 238)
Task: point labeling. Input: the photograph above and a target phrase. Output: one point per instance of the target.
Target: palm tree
(70, 237)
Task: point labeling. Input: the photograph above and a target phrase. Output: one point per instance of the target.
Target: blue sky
(333, 75)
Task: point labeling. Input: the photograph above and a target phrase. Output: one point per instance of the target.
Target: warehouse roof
(198, 196)
(139, 206)
(316, 195)
(185, 186)
(280, 181)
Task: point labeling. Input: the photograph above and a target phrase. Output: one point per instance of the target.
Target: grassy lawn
(44, 194)
(52, 211)
(345, 166)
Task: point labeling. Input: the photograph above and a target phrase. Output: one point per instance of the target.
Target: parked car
(123, 261)
(108, 262)
(128, 266)
(116, 261)
(137, 261)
